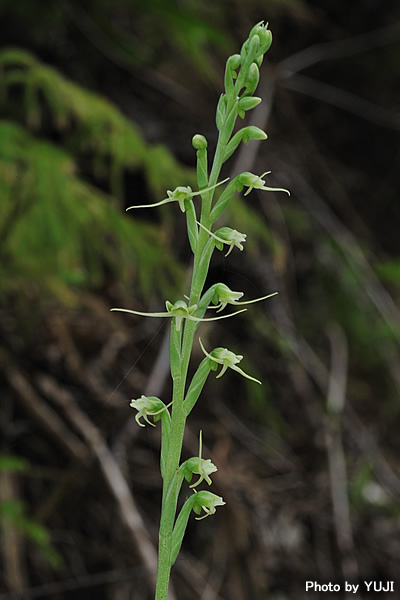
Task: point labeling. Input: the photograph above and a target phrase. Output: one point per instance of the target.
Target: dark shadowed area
(99, 101)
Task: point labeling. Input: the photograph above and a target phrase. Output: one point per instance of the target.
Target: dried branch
(12, 543)
(113, 476)
(40, 411)
(341, 49)
(336, 398)
(352, 251)
(342, 99)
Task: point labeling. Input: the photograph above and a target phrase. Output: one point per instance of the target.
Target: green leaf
(180, 527)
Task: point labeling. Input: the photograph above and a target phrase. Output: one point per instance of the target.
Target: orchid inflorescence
(241, 80)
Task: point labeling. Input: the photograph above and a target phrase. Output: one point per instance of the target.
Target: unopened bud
(253, 78)
(199, 142)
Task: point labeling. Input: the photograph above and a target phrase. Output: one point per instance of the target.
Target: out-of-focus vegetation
(98, 104)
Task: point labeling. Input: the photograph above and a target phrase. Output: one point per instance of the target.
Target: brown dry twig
(113, 476)
(336, 397)
(40, 411)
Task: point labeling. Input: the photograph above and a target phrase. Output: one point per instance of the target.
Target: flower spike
(254, 182)
(180, 194)
(228, 236)
(180, 310)
(226, 358)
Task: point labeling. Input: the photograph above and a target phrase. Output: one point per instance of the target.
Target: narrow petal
(239, 370)
(209, 188)
(165, 201)
(256, 299)
(137, 417)
(231, 244)
(216, 318)
(217, 360)
(145, 417)
(223, 370)
(143, 314)
(271, 189)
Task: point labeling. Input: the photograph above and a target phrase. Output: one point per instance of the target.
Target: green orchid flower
(228, 236)
(179, 310)
(148, 406)
(208, 502)
(180, 194)
(198, 466)
(227, 359)
(223, 295)
(254, 182)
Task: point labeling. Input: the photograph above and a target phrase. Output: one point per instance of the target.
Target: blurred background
(99, 101)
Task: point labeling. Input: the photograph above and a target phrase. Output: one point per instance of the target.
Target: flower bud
(253, 133)
(221, 112)
(249, 102)
(199, 142)
(265, 39)
(253, 78)
(254, 46)
(244, 50)
(264, 34)
(247, 133)
(234, 61)
(255, 30)
(259, 60)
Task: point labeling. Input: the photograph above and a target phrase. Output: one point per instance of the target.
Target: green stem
(178, 417)
(170, 485)
(170, 491)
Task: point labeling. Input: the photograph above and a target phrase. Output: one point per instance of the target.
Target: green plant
(241, 79)
(61, 226)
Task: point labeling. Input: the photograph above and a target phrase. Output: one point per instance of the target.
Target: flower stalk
(241, 79)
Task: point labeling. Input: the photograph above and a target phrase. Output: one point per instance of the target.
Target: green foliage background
(98, 104)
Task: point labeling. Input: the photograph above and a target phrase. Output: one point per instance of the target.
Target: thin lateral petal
(143, 314)
(165, 201)
(216, 318)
